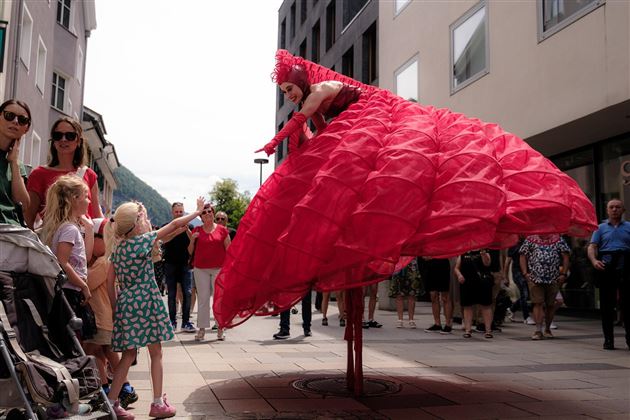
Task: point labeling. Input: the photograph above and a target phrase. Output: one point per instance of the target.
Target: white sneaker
(399, 323)
(509, 315)
(221, 334)
(553, 326)
(530, 321)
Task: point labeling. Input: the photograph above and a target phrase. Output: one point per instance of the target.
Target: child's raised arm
(181, 221)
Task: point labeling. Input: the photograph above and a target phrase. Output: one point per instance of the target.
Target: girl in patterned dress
(405, 283)
(140, 317)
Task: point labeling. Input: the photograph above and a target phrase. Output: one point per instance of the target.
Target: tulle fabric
(386, 181)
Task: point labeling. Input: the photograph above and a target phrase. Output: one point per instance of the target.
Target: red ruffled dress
(387, 180)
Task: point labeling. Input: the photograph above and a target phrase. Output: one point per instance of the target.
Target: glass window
(27, 37)
(351, 8)
(292, 29)
(315, 43)
(40, 71)
(557, 14)
(330, 25)
(469, 47)
(406, 80)
(58, 92)
(399, 5)
(63, 13)
(615, 171)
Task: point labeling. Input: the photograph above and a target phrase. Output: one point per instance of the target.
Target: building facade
(555, 72)
(338, 34)
(44, 57)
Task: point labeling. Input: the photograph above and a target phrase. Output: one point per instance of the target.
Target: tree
(226, 197)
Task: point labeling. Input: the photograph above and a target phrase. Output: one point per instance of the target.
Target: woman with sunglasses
(208, 246)
(14, 124)
(67, 154)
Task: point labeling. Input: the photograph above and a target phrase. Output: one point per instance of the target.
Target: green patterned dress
(141, 317)
(406, 282)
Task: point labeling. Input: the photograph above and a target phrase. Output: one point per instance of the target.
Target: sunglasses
(59, 135)
(206, 212)
(220, 219)
(21, 119)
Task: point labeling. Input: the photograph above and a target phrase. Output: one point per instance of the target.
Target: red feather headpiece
(291, 69)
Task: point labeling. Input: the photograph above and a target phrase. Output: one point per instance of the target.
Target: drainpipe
(18, 41)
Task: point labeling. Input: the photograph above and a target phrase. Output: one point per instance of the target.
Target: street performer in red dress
(383, 180)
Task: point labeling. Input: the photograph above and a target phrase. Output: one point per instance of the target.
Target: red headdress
(293, 70)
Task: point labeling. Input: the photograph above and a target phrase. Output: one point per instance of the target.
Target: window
(330, 25)
(554, 15)
(26, 37)
(283, 34)
(399, 5)
(369, 57)
(469, 47)
(280, 148)
(315, 43)
(302, 11)
(78, 72)
(58, 92)
(303, 49)
(36, 147)
(406, 80)
(292, 21)
(63, 13)
(280, 98)
(351, 8)
(347, 63)
(40, 71)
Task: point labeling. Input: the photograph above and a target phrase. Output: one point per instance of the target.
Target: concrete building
(44, 65)
(103, 158)
(338, 34)
(556, 73)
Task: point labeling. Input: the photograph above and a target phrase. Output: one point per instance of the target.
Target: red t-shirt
(210, 247)
(41, 178)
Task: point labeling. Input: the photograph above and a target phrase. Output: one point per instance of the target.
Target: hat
(99, 225)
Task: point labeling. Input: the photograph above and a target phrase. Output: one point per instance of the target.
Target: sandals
(399, 323)
(488, 334)
(467, 334)
(201, 334)
(325, 322)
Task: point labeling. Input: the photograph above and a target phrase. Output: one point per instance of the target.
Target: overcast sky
(184, 89)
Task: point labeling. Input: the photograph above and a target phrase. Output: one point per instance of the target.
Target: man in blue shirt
(609, 252)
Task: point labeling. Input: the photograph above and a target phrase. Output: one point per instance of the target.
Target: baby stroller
(44, 372)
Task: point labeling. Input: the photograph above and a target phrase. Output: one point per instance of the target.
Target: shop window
(469, 47)
(406, 80)
(554, 15)
(615, 171)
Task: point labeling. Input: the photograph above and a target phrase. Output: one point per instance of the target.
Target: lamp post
(261, 162)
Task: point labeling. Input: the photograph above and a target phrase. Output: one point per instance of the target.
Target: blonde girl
(68, 202)
(140, 317)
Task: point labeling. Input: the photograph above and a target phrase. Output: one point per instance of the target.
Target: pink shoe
(162, 411)
(121, 413)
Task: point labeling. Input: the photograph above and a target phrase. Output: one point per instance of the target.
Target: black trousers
(613, 282)
(285, 316)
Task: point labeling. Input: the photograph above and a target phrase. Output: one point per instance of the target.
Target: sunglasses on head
(59, 135)
(21, 119)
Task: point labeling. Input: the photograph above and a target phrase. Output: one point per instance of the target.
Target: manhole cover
(336, 386)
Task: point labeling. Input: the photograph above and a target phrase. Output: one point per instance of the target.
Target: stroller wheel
(16, 414)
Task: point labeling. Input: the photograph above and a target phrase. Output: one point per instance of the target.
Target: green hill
(130, 187)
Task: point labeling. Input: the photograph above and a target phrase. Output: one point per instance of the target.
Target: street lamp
(261, 162)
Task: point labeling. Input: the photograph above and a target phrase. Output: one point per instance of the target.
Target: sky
(184, 89)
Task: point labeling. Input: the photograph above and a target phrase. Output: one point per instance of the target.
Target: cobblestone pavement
(251, 376)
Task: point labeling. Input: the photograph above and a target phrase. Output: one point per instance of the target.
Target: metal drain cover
(372, 387)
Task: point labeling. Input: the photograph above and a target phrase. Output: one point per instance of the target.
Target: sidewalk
(250, 375)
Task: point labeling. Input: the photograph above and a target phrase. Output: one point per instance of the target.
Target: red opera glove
(295, 138)
(294, 124)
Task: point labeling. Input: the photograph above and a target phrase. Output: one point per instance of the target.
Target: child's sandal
(488, 334)
(467, 334)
